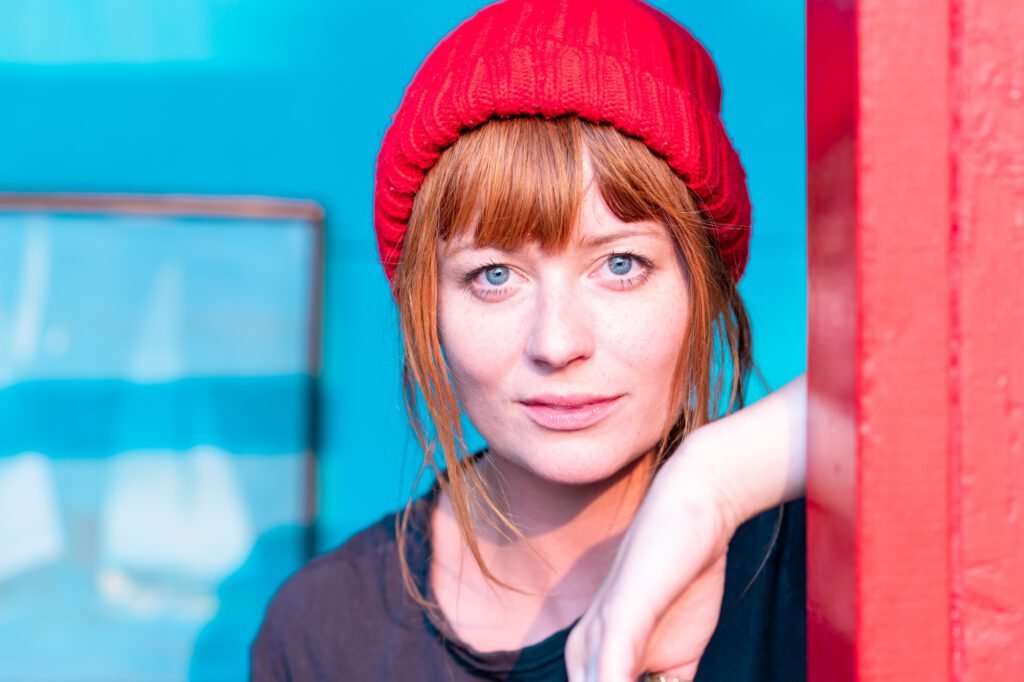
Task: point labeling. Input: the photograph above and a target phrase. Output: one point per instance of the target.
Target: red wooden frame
(916, 367)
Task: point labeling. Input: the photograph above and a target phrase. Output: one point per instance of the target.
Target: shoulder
(314, 592)
(340, 573)
(329, 614)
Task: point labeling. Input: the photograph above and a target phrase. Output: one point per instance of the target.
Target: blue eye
(620, 264)
(496, 275)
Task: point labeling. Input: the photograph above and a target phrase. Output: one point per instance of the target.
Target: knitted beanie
(619, 62)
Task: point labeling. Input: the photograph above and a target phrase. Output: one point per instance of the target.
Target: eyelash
(470, 277)
(637, 279)
(621, 283)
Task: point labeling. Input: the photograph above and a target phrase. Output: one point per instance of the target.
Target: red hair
(516, 181)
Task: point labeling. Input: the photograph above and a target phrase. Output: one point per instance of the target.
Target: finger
(615, 653)
(629, 615)
(582, 650)
(650, 572)
(675, 565)
(594, 654)
(575, 665)
(684, 630)
(609, 642)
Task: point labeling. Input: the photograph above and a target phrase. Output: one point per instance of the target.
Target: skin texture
(658, 605)
(606, 317)
(566, 325)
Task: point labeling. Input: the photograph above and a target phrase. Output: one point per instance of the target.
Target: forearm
(758, 455)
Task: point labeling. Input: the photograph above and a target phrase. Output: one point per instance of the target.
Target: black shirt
(347, 616)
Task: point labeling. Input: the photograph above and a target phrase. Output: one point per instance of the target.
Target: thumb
(601, 649)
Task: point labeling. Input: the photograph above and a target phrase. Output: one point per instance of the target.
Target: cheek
(479, 349)
(648, 345)
(648, 338)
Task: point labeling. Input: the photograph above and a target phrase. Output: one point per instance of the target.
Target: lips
(569, 413)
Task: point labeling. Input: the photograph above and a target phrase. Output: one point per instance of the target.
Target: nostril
(559, 339)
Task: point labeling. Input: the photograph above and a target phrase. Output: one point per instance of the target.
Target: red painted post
(916, 367)
(988, 340)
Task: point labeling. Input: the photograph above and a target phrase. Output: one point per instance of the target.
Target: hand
(659, 605)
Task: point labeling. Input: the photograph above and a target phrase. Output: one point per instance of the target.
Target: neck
(569, 533)
(568, 538)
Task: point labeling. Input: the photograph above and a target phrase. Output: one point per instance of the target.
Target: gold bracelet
(659, 677)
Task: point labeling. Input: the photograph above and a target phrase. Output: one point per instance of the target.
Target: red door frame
(916, 358)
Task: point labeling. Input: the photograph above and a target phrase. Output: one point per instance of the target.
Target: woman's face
(564, 361)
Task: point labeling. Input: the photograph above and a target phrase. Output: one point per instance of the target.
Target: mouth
(569, 413)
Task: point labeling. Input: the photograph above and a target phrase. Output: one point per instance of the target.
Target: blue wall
(291, 99)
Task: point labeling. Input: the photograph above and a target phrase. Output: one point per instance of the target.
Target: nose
(560, 330)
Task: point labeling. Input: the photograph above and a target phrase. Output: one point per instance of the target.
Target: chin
(584, 462)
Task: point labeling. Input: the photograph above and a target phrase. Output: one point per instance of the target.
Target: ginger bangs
(511, 182)
(533, 192)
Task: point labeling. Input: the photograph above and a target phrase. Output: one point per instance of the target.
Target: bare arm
(659, 605)
(757, 455)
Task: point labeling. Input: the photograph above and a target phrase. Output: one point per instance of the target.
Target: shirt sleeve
(268, 659)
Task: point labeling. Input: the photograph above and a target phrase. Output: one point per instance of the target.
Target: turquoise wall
(290, 99)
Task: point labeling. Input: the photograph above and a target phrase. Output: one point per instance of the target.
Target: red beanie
(607, 61)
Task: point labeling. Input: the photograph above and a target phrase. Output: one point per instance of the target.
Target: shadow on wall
(222, 648)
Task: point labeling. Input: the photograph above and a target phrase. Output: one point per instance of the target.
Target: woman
(563, 221)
